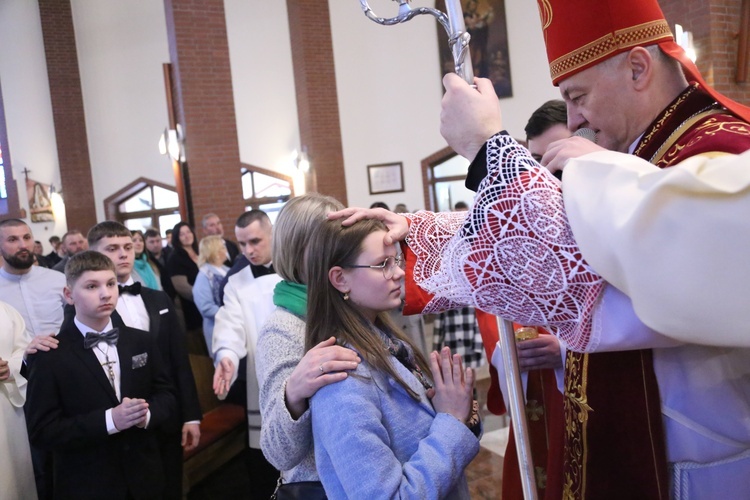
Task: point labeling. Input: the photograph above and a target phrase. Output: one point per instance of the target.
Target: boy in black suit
(97, 399)
(152, 311)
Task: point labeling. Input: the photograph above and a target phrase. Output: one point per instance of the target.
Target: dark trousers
(170, 449)
(262, 475)
(42, 462)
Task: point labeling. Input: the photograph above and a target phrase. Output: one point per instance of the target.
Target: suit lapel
(89, 359)
(153, 310)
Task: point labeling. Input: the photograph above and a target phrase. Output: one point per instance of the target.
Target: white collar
(84, 329)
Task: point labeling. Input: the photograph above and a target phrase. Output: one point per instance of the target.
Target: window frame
(254, 202)
(112, 203)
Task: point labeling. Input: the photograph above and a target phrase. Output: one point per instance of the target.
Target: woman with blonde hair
(287, 375)
(211, 271)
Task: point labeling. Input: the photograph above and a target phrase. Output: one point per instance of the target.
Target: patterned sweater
(286, 443)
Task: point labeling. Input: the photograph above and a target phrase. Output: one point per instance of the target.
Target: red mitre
(582, 33)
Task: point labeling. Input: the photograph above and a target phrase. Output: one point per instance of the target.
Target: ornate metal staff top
(453, 22)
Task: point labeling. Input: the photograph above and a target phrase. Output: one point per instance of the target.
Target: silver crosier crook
(452, 21)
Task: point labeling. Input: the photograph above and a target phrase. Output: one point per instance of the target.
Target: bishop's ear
(641, 65)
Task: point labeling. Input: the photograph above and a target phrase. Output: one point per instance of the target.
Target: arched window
(144, 204)
(444, 175)
(265, 190)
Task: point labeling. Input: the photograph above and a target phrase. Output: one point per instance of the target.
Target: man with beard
(37, 294)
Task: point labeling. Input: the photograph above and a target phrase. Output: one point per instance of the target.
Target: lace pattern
(512, 255)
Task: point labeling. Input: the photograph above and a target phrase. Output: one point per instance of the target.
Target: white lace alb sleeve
(513, 254)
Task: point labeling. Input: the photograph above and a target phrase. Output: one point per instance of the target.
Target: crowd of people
(342, 402)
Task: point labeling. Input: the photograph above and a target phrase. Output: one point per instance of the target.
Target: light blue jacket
(372, 440)
(206, 298)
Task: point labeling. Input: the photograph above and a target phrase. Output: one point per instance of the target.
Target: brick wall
(204, 103)
(67, 112)
(317, 100)
(715, 25)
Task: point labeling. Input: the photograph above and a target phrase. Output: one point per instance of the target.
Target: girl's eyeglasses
(388, 266)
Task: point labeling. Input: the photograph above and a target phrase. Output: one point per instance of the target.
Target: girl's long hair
(329, 314)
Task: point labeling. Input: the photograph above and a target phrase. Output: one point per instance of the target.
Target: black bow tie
(93, 338)
(134, 289)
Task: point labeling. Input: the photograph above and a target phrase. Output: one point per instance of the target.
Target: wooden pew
(223, 428)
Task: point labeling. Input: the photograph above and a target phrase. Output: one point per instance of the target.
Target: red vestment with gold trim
(614, 435)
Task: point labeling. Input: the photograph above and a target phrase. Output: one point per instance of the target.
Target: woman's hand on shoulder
(454, 386)
(324, 364)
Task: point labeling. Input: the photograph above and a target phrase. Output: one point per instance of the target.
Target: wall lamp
(300, 160)
(172, 143)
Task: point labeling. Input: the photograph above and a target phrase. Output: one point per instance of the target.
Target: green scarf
(291, 296)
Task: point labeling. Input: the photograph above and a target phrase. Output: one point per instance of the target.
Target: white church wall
(28, 109)
(263, 83)
(121, 49)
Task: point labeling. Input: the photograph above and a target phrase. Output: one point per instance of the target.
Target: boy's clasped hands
(132, 412)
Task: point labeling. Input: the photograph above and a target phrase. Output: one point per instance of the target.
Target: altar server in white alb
(16, 473)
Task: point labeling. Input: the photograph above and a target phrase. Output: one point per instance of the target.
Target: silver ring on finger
(322, 371)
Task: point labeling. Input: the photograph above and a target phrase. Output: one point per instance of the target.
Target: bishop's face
(601, 98)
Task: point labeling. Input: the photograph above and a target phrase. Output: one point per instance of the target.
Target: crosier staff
(458, 40)
(452, 21)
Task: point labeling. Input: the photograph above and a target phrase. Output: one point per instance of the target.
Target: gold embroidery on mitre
(630, 37)
(576, 409)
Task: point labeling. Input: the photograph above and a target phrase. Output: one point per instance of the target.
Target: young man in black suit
(97, 400)
(152, 310)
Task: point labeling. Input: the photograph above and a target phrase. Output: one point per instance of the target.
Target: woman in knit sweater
(287, 376)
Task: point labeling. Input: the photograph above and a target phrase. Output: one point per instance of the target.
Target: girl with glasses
(397, 426)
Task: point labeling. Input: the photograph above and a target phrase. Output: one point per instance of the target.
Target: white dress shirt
(37, 296)
(132, 310)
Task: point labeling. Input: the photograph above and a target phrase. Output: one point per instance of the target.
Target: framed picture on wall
(485, 22)
(385, 178)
